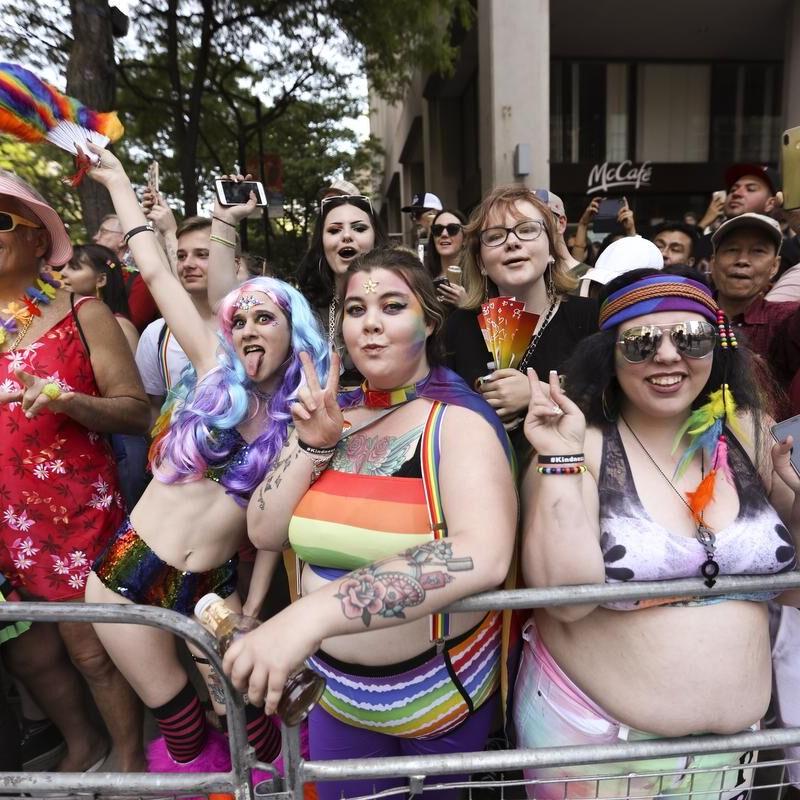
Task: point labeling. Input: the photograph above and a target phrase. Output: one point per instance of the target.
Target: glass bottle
(303, 687)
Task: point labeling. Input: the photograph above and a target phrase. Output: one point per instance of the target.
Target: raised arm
(480, 506)
(560, 529)
(198, 342)
(221, 256)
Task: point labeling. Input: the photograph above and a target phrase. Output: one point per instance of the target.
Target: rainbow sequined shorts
(131, 569)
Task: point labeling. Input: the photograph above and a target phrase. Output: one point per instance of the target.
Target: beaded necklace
(17, 316)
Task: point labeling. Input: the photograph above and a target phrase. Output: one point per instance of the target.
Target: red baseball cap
(761, 171)
(60, 251)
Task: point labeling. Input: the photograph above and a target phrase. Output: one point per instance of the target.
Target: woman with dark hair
(95, 271)
(510, 252)
(652, 465)
(381, 559)
(444, 250)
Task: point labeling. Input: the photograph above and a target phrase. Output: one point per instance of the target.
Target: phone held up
(234, 193)
(790, 168)
(789, 427)
(605, 220)
(152, 177)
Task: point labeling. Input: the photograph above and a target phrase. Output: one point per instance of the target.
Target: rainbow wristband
(577, 469)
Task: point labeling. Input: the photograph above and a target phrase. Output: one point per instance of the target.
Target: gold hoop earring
(607, 413)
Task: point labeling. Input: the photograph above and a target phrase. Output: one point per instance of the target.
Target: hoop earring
(319, 266)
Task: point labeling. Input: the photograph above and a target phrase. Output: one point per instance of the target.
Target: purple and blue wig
(189, 433)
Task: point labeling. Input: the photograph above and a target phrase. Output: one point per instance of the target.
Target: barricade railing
(417, 769)
(236, 782)
(420, 769)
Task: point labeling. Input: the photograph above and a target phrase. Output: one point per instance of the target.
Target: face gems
(247, 301)
(370, 286)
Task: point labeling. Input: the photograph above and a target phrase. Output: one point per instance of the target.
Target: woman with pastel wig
(403, 522)
(228, 425)
(652, 464)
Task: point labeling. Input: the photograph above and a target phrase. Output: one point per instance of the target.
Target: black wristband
(316, 451)
(223, 221)
(576, 458)
(133, 231)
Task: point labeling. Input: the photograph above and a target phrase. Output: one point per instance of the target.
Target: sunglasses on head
(8, 222)
(359, 200)
(692, 339)
(452, 229)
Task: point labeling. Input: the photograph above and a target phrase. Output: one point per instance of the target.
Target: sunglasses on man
(9, 222)
(452, 228)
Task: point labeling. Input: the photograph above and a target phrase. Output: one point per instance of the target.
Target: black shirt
(466, 351)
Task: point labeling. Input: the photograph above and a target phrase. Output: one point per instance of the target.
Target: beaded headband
(657, 293)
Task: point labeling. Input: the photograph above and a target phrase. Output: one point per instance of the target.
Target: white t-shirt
(160, 359)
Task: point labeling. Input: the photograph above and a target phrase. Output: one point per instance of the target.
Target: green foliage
(44, 168)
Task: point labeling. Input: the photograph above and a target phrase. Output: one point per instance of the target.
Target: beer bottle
(303, 687)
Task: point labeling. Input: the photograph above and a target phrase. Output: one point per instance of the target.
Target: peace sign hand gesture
(554, 425)
(317, 417)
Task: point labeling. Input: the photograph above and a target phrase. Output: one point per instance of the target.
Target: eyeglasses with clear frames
(526, 231)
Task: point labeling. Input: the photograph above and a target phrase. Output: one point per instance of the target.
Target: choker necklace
(709, 569)
(389, 398)
(20, 312)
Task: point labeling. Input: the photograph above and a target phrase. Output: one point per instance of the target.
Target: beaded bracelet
(140, 229)
(577, 458)
(316, 451)
(573, 470)
(223, 221)
(228, 242)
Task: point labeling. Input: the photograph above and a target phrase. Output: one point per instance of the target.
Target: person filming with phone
(443, 257)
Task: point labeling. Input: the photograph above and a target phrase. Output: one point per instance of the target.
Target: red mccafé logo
(603, 177)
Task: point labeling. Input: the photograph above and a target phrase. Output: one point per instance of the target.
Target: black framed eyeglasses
(526, 231)
(693, 339)
(452, 228)
(8, 222)
(358, 200)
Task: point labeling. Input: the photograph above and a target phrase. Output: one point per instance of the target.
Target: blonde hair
(503, 200)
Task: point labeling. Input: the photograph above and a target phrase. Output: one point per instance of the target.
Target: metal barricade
(237, 782)
(426, 774)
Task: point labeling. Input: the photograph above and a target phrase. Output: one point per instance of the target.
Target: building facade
(645, 100)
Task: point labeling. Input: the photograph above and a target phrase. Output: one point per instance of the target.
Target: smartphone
(454, 274)
(790, 427)
(437, 282)
(152, 177)
(790, 168)
(605, 220)
(234, 193)
(719, 195)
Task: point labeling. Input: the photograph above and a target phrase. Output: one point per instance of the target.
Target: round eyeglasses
(526, 231)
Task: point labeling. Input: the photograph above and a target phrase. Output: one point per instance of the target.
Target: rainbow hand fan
(34, 111)
(507, 329)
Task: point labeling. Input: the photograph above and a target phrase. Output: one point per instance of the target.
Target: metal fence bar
(498, 760)
(516, 599)
(237, 781)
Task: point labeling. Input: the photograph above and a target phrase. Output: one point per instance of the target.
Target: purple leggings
(331, 739)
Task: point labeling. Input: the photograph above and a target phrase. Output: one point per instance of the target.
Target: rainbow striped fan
(34, 111)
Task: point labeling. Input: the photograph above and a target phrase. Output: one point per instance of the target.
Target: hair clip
(247, 301)
(727, 337)
(111, 264)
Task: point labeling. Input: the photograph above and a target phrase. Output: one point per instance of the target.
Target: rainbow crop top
(346, 520)
(635, 547)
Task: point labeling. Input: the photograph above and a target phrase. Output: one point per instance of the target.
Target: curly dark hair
(403, 262)
(591, 377)
(314, 275)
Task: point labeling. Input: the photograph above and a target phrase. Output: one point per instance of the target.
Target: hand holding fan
(507, 329)
(34, 111)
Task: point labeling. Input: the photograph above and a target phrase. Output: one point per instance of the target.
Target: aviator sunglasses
(8, 222)
(692, 339)
(452, 228)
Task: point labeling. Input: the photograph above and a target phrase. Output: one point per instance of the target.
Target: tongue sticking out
(252, 362)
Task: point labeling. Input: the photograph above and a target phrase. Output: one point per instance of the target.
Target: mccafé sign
(626, 174)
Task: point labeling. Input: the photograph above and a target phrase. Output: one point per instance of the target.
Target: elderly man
(67, 376)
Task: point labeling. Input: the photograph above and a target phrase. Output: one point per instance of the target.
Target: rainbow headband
(657, 293)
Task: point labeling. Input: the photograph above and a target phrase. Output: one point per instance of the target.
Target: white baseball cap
(424, 201)
(624, 255)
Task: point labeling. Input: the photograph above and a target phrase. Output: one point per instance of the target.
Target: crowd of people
(340, 457)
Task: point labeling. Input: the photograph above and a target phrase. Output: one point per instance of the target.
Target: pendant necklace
(709, 569)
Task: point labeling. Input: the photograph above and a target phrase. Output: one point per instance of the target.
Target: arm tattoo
(382, 589)
(274, 478)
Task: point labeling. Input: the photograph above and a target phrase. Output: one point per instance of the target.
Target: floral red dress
(59, 496)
